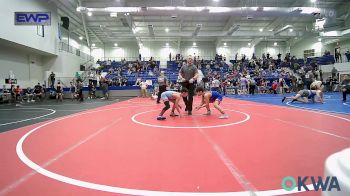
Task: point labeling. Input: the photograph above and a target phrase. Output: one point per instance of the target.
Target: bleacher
(132, 77)
(172, 70)
(323, 60)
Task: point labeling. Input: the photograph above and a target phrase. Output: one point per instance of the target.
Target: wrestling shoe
(284, 98)
(173, 115)
(161, 118)
(223, 116)
(207, 114)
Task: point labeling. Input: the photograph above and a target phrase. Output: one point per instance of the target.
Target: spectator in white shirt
(143, 86)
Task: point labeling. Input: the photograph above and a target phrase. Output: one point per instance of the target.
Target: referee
(188, 75)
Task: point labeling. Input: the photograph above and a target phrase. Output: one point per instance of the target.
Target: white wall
(158, 50)
(26, 67)
(27, 35)
(205, 50)
(232, 48)
(344, 46)
(123, 50)
(268, 47)
(308, 43)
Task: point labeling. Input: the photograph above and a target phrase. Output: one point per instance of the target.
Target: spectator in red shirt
(274, 87)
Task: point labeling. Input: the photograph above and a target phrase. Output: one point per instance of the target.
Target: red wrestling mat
(122, 148)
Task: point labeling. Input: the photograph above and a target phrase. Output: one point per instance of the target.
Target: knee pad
(167, 105)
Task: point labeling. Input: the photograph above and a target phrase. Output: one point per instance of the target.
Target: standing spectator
(52, 79)
(309, 78)
(43, 91)
(273, 88)
(334, 72)
(215, 85)
(143, 86)
(281, 84)
(252, 85)
(294, 83)
(200, 77)
(162, 82)
(188, 75)
(338, 56)
(80, 90)
(104, 88)
(244, 84)
(224, 84)
(345, 87)
(13, 93)
(72, 90)
(59, 92)
(91, 88)
(321, 75)
(300, 84)
(18, 92)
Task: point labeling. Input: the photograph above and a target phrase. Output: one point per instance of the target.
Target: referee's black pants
(161, 90)
(189, 100)
(344, 94)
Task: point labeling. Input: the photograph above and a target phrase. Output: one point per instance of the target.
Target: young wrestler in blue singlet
(210, 97)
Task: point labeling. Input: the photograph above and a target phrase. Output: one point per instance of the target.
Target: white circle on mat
(133, 118)
(28, 119)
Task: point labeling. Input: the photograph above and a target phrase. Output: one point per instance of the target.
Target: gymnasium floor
(119, 147)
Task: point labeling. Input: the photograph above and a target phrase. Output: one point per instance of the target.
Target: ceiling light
(319, 39)
(166, 29)
(116, 44)
(313, 1)
(249, 44)
(194, 44)
(290, 30)
(122, 9)
(275, 44)
(127, 14)
(81, 9)
(80, 37)
(113, 14)
(225, 44)
(167, 44)
(271, 30)
(89, 13)
(93, 45)
(261, 30)
(216, 0)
